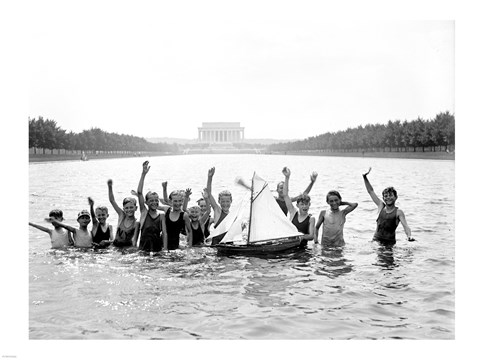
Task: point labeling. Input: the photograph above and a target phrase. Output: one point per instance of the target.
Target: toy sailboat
(258, 226)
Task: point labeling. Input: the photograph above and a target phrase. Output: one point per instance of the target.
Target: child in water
(204, 204)
(128, 226)
(60, 237)
(303, 221)
(102, 232)
(176, 221)
(388, 214)
(152, 223)
(82, 237)
(333, 220)
(219, 211)
(280, 199)
(198, 221)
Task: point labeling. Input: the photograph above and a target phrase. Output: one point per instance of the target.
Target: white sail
(268, 220)
(228, 223)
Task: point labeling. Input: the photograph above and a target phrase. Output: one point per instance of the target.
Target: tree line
(434, 134)
(46, 134)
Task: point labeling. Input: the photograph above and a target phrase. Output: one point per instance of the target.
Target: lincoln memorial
(220, 132)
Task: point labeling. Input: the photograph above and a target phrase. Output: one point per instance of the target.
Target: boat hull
(264, 247)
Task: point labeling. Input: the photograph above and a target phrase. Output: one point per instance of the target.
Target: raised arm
(186, 199)
(350, 206)
(288, 201)
(112, 198)
(165, 195)
(68, 227)
(141, 198)
(216, 208)
(40, 227)
(370, 191)
(313, 178)
(92, 213)
(406, 228)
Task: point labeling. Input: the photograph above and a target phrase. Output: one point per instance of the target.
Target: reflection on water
(359, 291)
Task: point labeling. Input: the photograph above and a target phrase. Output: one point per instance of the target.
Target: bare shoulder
(322, 214)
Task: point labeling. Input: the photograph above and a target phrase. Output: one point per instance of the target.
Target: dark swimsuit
(282, 205)
(124, 235)
(303, 226)
(101, 235)
(173, 230)
(197, 236)
(386, 225)
(150, 239)
(218, 238)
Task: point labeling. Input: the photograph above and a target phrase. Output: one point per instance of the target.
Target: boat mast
(251, 207)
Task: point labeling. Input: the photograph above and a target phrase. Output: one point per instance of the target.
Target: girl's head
(225, 200)
(202, 204)
(101, 213)
(129, 206)
(334, 199)
(389, 195)
(303, 202)
(280, 188)
(194, 212)
(152, 200)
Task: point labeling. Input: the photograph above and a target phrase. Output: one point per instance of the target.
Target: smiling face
(152, 201)
(194, 213)
(203, 206)
(129, 208)
(225, 202)
(334, 202)
(177, 202)
(389, 198)
(303, 206)
(101, 215)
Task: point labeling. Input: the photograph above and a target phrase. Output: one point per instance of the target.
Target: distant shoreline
(437, 155)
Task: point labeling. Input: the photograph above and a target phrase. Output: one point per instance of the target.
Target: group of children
(163, 220)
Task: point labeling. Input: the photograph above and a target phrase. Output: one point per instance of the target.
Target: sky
(283, 72)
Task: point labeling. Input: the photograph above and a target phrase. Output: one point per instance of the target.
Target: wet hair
(303, 198)
(390, 190)
(150, 193)
(225, 193)
(333, 193)
(129, 199)
(56, 213)
(280, 183)
(201, 199)
(102, 208)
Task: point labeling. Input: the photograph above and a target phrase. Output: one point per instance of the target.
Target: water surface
(361, 291)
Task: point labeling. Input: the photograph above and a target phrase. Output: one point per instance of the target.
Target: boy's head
(225, 200)
(303, 199)
(83, 217)
(177, 199)
(152, 200)
(194, 212)
(101, 213)
(334, 199)
(129, 206)
(57, 214)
